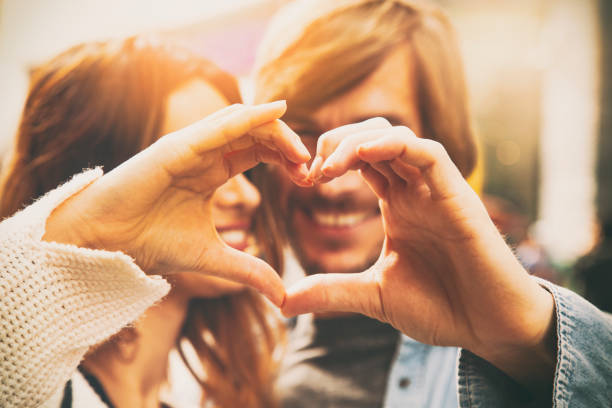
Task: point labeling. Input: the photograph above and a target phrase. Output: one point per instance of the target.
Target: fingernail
(326, 168)
(280, 102)
(314, 168)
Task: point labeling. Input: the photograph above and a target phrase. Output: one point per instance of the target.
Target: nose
(238, 192)
(348, 183)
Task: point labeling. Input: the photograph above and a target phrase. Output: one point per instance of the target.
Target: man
(338, 63)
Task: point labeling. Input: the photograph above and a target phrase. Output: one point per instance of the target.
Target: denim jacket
(427, 376)
(422, 376)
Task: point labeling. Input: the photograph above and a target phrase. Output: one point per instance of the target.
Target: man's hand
(445, 276)
(156, 207)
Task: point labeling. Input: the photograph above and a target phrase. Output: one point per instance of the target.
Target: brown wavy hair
(317, 50)
(98, 104)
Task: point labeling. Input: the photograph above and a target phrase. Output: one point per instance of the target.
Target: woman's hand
(445, 276)
(156, 207)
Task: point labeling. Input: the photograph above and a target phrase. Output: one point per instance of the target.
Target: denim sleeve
(583, 375)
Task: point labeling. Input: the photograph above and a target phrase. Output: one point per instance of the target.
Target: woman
(97, 105)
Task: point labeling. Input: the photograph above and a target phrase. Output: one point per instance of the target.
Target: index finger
(209, 134)
(276, 135)
(329, 141)
(428, 156)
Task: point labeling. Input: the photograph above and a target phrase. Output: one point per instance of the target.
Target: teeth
(233, 236)
(339, 220)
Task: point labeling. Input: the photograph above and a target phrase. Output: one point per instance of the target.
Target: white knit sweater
(58, 300)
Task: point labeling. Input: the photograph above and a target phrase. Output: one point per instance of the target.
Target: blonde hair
(315, 50)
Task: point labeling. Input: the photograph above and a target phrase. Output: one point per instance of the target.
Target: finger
(435, 166)
(243, 160)
(206, 135)
(386, 171)
(407, 172)
(345, 157)
(238, 266)
(314, 174)
(350, 292)
(377, 182)
(298, 173)
(394, 170)
(279, 136)
(328, 141)
(225, 111)
(325, 179)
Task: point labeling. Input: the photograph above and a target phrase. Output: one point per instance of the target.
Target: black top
(96, 385)
(337, 362)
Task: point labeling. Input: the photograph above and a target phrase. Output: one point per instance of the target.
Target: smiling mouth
(236, 238)
(341, 219)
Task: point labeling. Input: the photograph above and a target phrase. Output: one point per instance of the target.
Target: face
(336, 227)
(234, 203)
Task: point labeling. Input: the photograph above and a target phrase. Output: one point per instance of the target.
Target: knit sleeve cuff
(58, 300)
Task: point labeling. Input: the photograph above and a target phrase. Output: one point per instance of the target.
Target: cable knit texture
(58, 300)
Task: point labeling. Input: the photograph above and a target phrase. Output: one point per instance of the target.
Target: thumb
(342, 292)
(238, 266)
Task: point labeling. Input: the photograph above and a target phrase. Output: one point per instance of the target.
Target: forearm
(514, 326)
(59, 300)
(531, 359)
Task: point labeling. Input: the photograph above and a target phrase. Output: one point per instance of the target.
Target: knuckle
(404, 131)
(435, 148)
(379, 121)
(225, 133)
(347, 144)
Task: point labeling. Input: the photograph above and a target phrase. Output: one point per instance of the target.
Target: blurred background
(539, 76)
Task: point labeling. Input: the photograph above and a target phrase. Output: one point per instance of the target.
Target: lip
(243, 225)
(236, 235)
(337, 224)
(240, 247)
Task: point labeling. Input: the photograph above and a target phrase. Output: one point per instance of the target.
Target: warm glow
(531, 68)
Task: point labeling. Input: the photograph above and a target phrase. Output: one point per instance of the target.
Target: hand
(156, 207)
(445, 276)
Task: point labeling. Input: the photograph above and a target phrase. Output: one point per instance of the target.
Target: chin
(349, 262)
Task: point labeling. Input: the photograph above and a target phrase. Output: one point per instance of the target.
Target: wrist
(527, 352)
(67, 224)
